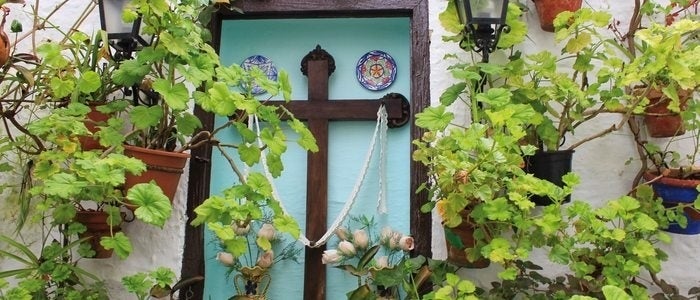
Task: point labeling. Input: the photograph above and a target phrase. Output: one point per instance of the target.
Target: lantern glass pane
(461, 11)
(486, 9)
(113, 17)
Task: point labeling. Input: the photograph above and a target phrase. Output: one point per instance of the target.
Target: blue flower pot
(674, 191)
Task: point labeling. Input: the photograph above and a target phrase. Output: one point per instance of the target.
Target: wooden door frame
(200, 167)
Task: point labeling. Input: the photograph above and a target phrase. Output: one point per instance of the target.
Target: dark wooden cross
(317, 66)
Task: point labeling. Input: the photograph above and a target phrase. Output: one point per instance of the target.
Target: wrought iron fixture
(483, 20)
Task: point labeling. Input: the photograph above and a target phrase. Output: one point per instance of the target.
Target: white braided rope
(380, 132)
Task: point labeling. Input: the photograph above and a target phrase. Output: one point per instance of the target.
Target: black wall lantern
(483, 20)
(125, 38)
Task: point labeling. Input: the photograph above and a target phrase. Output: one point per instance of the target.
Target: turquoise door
(285, 42)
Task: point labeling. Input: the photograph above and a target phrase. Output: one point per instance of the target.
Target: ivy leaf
(119, 242)
(153, 206)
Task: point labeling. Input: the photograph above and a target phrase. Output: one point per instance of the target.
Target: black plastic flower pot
(550, 166)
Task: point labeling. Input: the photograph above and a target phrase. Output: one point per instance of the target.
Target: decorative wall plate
(376, 70)
(264, 64)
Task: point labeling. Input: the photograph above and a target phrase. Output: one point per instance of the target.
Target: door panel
(285, 42)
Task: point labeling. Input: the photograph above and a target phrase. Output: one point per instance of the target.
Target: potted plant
(662, 61)
(66, 177)
(569, 91)
(168, 72)
(547, 10)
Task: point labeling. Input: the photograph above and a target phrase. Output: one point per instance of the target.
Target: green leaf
(578, 43)
(367, 257)
(644, 248)
(130, 72)
(61, 88)
(434, 118)
(144, 117)
(89, 82)
(452, 93)
(63, 214)
(187, 123)
(285, 85)
(263, 243)
(612, 292)
(153, 206)
(173, 44)
(176, 96)
(119, 242)
(508, 274)
(63, 185)
(306, 140)
(287, 223)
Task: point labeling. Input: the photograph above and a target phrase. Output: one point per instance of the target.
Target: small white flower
(385, 236)
(267, 231)
(346, 248)
(330, 256)
(395, 240)
(342, 233)
(406, 243)
(360, 239)
(225, 258)
(382, 262)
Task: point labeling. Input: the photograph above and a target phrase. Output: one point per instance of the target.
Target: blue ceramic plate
(264, 64)
(376, 70)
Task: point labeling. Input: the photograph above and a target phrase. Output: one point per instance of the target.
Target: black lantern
(483, 20)
(125, 37)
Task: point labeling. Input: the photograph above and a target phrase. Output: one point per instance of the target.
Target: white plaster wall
(600, 163)
(152, 247)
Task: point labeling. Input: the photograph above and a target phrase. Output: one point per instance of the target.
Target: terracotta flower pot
(97, 227)
(457, 255)
(659, 120)
(163, 167)
(94, 118)
(547, 10)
